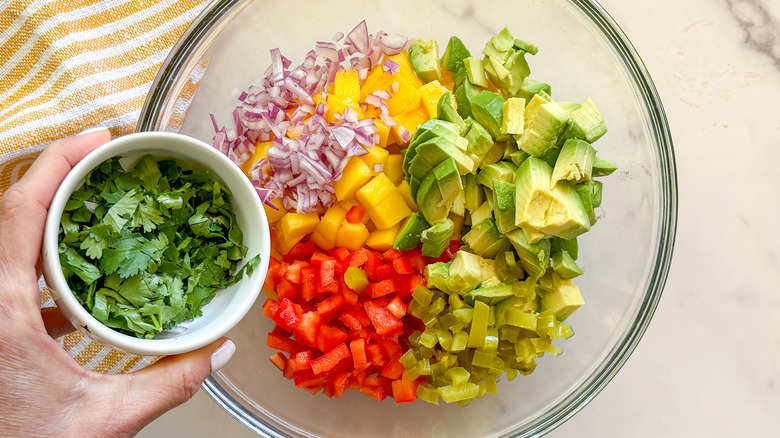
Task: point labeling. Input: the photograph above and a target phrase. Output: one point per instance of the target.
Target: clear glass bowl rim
(219, 12)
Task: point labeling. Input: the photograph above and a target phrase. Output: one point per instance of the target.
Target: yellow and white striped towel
(66, 66)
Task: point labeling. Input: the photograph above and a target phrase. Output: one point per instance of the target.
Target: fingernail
(222, 355)
(91, 130)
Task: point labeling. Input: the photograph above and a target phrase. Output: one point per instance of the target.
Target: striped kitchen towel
(66, 66)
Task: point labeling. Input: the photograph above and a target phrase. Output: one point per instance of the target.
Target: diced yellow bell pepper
(389, 212)
(329, 224)
(409, 120)
(274, 215)
(394, 168)
(430, 94)
(375, 155)
(352, 236)
(382, 240)
(406, 194)
(375, 191)
(347, 84)
(292, 227)
(354, 176)
(383, 130)
(261, 151)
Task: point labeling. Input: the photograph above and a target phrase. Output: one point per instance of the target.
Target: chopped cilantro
(143, 250)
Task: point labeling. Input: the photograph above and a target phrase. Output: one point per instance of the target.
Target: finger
(24, 205)
(173, 380)
(55, 322)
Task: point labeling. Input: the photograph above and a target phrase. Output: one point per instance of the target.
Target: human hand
(43, 391)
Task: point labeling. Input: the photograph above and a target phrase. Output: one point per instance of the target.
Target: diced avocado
(497, 247)
(525, 46)
(482, 212)
(494, 154)
(448, 180)
(482, 237)
(570, 246)
(414, 185)
(569, 107)
(533, 195)
(446, 111)
(475, 72)
(585, 123)
(534, 257)
(544, 124)
(438, 149)
(602, 167)
(518, 157)
(551, 156)
(418, 168)
(562, 301)
(513, 116)
(530, 87)
(411, 232)
(511, 147)
(472, 192)
(435, 128)
(468, 271)
(506, 267)
(424, 57)
(436, 238)
(437, 276)
(574, 162)
(479, 140)
(590, 195)
(429, 200)
(500, 46)
(454, 54)
(533, 236)
(505, 62)
(504, 202)
(518, 71)
(489, 294)
(566, 217)
(503, 170)
(459, 205)
(463, 95)
(564, 265)
(487, 109)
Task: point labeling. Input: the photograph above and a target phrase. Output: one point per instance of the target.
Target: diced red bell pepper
(309, 282)
(302, 250)
(331, 359)
(279, 361)
(393, 370)
(309, 381)
(286, 313)
(392, 254)
(355, 319)
(375, 390)
(402, 286)
(340, 384)
(413, 281)
(384, 287)
(403, 266)
(267, 306)
(329, 307)
(276, 341)
(328, 281)
(383, 272)
(372, 263)
(376, 355)
(397, 307)
(383, 321)
(350, 296)
(416, 259)
(307, 329)
(318, 257)
(404, 390)
(330, 337)
(359, 358)
(359, 258)
(355, 214)
(340, 253)
(286, 290)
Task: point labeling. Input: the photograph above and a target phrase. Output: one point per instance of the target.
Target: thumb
(173, 380)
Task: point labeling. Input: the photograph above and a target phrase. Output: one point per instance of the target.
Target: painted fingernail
(222, 355)
(91, 130)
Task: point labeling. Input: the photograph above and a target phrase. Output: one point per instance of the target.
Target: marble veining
(762, 29)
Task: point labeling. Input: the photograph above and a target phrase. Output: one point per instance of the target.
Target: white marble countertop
(709, 363)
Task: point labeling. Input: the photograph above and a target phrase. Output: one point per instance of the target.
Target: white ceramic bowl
(228, 306)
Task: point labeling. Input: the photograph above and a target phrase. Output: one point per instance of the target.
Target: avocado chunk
(503, 171)
(532, 193)
(513, 113)
(429, 200)
(562, 301)
(410, 234)
(454, 54)
(467, 271)
(505, 62)
(518, 157)
(446, 112)
(448, 180)
(504, 202)
(544, 124)
(482, 212)
(436, 238)
(530, 87)
(500, 46)
(564, 265)
(602, 167)
(472, 192)
(489, 295)
(475, 72)
(479, 141)
(485, 240)
(494, 154)
(487, 109)
(435, 128)
(464, 93)
(585, 123)
(437, 276)
(566, 217)
(438, 149)
(574, 162)
(534, 257)
(570, 246)
(424, 57)
(590, 195)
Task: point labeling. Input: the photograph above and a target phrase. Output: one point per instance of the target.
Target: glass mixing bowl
(626, 256)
